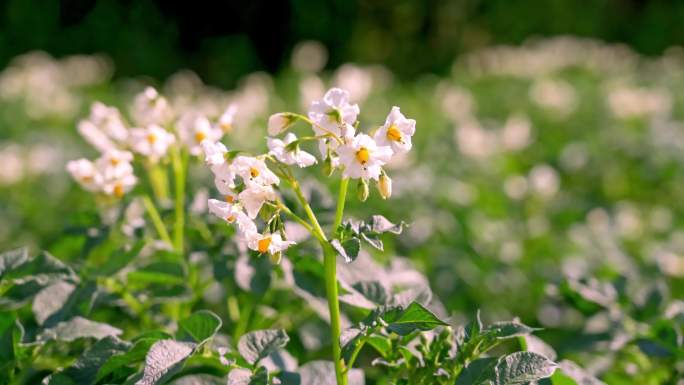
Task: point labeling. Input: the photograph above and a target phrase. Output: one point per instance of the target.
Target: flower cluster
(155, 131)
(247, 184)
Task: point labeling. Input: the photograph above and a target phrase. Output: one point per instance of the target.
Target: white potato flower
(109, 120)
(254, 196)
(267, 243)
(396, 132)
(199, 130)
(227, 119)
(254, 171)
(332, 112)
(149, 107)
(152, 141)
(363, 158)
(228, 211)
(85, 173)
(115, 164)
(119, 185)
(278, 148)
(94, 136)
(215, 158)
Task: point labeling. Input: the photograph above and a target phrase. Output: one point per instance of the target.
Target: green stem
(156, 219)
(158, 181)
(330, 268)
(178, 164)
(341, 199)
(355, 353)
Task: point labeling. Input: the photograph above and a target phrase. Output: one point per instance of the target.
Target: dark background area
(222, 40)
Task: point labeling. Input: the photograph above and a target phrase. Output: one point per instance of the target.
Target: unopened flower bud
(362, 190)
(385, 186)
(276, 258)
(327, 166)
(280, 122)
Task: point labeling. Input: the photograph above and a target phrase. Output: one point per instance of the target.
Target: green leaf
(258, 344)
(507, 329)
(167, 273)
(133, 356)
(117, 261)
(17, 267)
(347, 249)
(253, 274)
(575, 373)
(165, 358)
(11, 335)
(84, 370)
(522, 367)
(63, 300)
(241, 376)
(21, 276)
(320, 373)
(380, 343)
(414, 317)
(75, 328)
(200, 326)
(380, 224)
(479, 371)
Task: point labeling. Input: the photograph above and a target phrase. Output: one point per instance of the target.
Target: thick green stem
(156, 219)
(330, 268)
(179, 168)
(341, 199)
(158, 181)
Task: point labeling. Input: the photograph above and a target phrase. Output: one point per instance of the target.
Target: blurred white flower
(84, 172)
(554, 94)
(152, 141)
(363, 158)
(544, 180)
(227, 118)
(278, 148)
(515, 187)
(331, 112)
(396, 132)
(310, 88)
(474, 141)
(114, 164)
(309, 56)
(516, 132)
(94, 136)
(634, 102)
(357, 80)
(149, 107)
(133, 217)
(108, 120)
(193, 132)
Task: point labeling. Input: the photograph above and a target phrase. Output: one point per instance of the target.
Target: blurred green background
(223, 40)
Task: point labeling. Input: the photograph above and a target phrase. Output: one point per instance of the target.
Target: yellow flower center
(253, 172)
(363, 155)
(114, 161)
(151, 138)
(393, 133)
(230, 198)
(226, 127)
(263, 244)
(230, 218)
(200, 136)
(118, 190)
